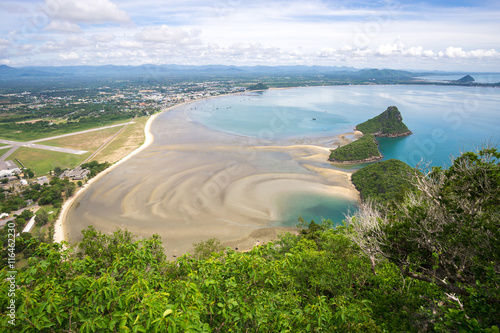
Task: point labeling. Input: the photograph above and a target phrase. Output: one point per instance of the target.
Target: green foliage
(203, 250)
(29, 173)
(313, 282)
(388, 123)
(95, 167)
(384, 181)
(41, 217)
(258, 86)
(365, 148)
(447, 233)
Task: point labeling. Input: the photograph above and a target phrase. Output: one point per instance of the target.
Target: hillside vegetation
(383, 181)
(365, 149)
(388, 123)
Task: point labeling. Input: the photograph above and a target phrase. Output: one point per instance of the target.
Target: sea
(445, 121)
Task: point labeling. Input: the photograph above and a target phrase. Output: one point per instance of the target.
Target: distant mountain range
(348, 74)
(7, 72)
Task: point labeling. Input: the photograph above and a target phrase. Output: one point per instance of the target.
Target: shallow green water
(312, 206)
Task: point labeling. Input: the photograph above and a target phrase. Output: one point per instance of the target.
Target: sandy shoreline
(59, 226)
(195, 183)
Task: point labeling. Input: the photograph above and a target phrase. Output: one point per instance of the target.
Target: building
(8, 169)
(76, 174)
(42, 180)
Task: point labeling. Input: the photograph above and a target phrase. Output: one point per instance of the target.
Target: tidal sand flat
(194, 183)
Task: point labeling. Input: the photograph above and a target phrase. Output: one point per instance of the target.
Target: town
(32, 191)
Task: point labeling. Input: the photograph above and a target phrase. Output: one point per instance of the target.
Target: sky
(458, 35)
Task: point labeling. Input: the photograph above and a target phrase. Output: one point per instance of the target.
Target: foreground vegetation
(429, 262)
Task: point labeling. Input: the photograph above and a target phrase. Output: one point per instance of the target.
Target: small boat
(314, 118)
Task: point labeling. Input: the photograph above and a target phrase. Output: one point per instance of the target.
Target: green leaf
(167, 312)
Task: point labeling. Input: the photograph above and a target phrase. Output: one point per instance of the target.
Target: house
(42, 180)
(8, 169)
(76, 174)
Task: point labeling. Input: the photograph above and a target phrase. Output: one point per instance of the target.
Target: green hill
(383, 181)
(362, 150)
(388, 123)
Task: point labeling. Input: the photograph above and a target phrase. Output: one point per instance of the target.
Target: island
(363, 150)
(387, 124)
(384, 181)
(466, 79)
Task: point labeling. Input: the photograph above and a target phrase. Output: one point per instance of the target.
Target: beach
(192, 183)
(60, 233)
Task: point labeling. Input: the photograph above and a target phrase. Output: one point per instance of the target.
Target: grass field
(3, 151)
(10, 133)
(87, 141)
(125, 143)
(42, 161)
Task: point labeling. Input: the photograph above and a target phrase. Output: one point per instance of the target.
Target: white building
(8, 169)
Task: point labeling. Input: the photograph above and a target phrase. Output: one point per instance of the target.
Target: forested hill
(363, 150)
(384, 181)
(389, 123)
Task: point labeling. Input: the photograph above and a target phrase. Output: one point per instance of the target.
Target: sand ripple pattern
(194, 183)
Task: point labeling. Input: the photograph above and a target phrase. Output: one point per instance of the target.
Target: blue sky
(443, 35)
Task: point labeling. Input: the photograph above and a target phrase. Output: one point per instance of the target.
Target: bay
(445, 121)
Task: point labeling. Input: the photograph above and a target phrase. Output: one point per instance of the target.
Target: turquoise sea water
(312, 206)
(445, 120)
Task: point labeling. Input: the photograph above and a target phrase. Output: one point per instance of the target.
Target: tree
(41, 217)
(447, 232)
(57, 171)
(29, 173)
(203, 250)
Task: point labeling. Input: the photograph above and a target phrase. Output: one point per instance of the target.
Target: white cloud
(63, 26)
(86, 11)
(75, 41)
(69, 56)
(166, 34)
(455, 52)
(103, 38)
(131, 44)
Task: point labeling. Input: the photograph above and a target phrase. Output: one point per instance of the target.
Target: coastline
(60, 224)
(202, 183)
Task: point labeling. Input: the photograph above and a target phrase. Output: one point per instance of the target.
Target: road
(32, 144)
(17, 212)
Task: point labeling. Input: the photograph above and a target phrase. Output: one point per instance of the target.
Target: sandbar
(192, 183)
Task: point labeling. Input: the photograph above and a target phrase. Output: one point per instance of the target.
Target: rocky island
(389, 124)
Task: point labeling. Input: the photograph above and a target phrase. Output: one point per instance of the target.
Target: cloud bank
(394, 34)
